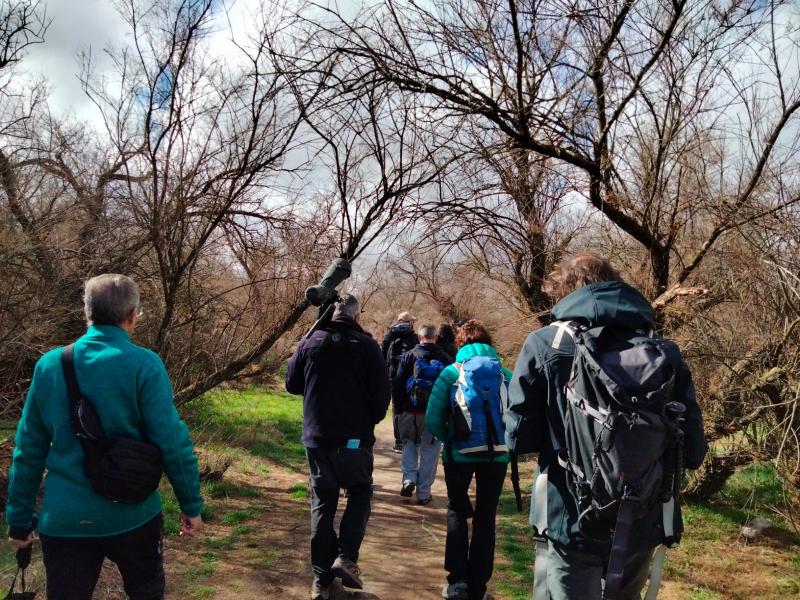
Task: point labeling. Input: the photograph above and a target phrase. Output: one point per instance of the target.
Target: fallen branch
(677, 291)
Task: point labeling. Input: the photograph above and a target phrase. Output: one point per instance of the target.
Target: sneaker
(398, 447)
(348, 571)
(408, 489)
(456, 591)
(424, 501)
(319, 591)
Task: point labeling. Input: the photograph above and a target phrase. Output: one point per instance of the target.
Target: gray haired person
(131, 392)
(416, 373)
(340, 372)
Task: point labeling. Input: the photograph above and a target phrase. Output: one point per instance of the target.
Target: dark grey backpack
(622, 433)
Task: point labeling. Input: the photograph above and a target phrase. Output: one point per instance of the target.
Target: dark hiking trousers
(472, 561)
(577, 574)
(330, 470)
(72, 565)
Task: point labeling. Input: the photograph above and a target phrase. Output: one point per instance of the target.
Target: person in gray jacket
(571, 565)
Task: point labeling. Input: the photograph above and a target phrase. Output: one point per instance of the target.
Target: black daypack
(622, 450)
(399, 346)
(119, 468)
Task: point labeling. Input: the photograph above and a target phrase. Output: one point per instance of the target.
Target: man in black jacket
(420, 449)
(569, 563)
(340, 372)
(398, 340)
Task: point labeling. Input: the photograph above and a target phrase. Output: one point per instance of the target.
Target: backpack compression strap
(619, 549)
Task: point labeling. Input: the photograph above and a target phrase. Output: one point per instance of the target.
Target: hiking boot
(424, 501)
(348, 571)
(398, 447)
(408, 489)
(319, 591)
(456, 591)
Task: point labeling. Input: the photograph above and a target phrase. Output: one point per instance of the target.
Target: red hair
(472, 332)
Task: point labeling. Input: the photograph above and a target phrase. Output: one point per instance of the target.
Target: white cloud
(76, 25)
(82, 25)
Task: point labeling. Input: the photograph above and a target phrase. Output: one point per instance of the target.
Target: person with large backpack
(398, 340)
(465, 411)
(417, 372)
(610, 407)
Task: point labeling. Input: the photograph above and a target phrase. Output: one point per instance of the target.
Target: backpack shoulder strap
(70, 377)
(571, 328)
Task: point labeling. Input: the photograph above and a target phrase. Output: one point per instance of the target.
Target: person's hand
(18, 544)
(190, 525)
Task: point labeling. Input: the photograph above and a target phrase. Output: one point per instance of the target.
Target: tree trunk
(711, 477)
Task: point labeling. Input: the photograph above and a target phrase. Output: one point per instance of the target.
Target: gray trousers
(576, 575)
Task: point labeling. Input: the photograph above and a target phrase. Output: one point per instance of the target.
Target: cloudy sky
(81, 25)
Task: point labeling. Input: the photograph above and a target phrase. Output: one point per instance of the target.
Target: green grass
(299, 491)
(226, 489)
(172, 511)
(8, 427)
(753, 491)
(703, 594)
(265, 559)
(264, 424)
(235, 517)
(201, 591)
(515, 546)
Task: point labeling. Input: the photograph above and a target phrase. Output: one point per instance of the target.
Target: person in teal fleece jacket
(132, 394)
(469, 563)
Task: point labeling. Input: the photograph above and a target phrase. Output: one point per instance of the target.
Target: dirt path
(403, 554)
(401, 558)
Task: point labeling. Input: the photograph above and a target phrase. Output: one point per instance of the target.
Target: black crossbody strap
(70, 377)
(74, 393)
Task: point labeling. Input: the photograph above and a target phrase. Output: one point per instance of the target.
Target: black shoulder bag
(121, 469)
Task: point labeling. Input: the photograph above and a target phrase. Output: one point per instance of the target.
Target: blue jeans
(420, 462)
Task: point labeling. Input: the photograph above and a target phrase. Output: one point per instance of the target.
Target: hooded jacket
(340, 373)
(537, 403)
(439, 416)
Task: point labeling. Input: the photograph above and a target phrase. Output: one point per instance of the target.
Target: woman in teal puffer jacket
(468, 563)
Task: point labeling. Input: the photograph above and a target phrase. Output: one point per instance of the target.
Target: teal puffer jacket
(438, 418)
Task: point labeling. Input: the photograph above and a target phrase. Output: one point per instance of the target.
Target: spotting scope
(325, 295)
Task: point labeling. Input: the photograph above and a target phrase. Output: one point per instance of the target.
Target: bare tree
(574, 83)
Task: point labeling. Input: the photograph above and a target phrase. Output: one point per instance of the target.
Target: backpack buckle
(628, 494)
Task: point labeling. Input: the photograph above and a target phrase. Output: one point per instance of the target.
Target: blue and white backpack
(478, 401)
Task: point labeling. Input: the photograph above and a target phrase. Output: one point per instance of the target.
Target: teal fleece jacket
(131, 391)
(438, 417)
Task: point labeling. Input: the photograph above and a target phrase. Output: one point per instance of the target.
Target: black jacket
(537, 406)
(341, 375)
(403, 331)
(448, 346)
(405, 369)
